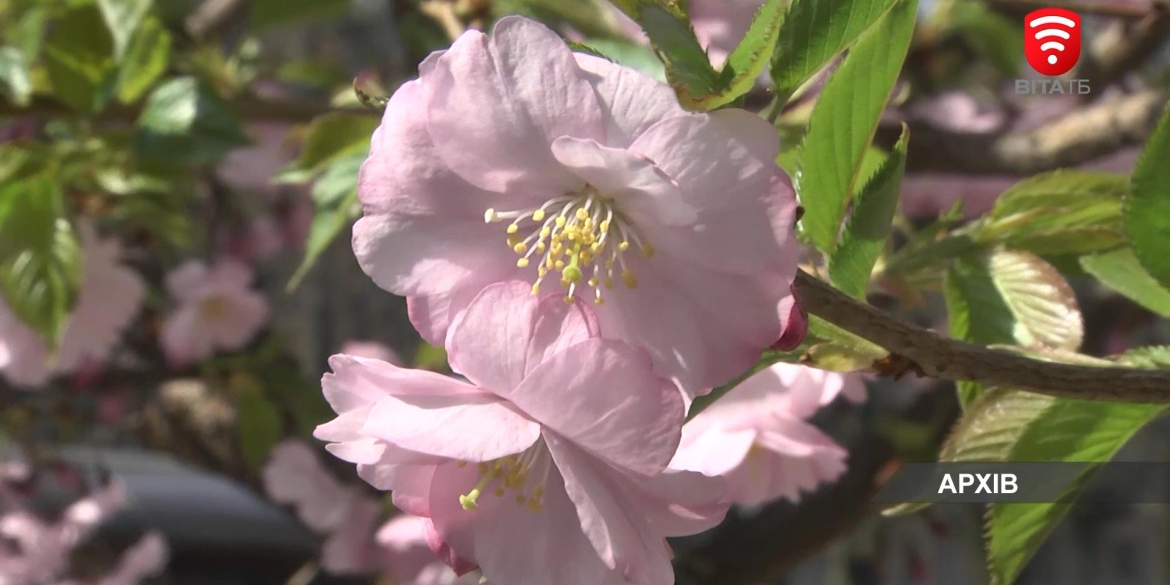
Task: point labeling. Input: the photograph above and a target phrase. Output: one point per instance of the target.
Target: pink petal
(622, 536)
(713, 451)
(246, 315)
(680, 503)
(184, 282)
(602, 396)
(496, 104)
(631, 100)
(629, 177)
(357, 382)
(465, 427)
(506, 332)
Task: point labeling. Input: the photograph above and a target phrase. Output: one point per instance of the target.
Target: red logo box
(1052, 40)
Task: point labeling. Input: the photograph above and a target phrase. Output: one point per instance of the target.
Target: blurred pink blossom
(410, 560)
(574, 428)
(592, 175)
(757, 438)
(217, 310)
(110, 296)
(146, 558)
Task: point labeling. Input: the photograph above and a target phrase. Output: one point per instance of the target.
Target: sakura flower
(144, 559)
(217, 310)
(410, 560)
(547, 466)
(757, 438)
(372, 350)
(513, 158)
(109, 297)
(31, 550)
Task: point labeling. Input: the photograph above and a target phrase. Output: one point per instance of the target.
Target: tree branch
(940, 357)
(1078, 137)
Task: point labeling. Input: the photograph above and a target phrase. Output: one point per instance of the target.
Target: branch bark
(951, 359)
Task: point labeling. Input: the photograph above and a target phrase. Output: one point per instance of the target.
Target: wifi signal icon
(1052, 40)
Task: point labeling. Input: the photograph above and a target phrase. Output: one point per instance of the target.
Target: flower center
(213, 309)
(581, 236)
(512, 473)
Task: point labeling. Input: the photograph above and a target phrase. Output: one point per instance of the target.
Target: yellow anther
(592, 281)
(544, 232)
(536, 289)
(608, 282)
(520, 248)
(604, 225)
(534, 505)
(561, 221)
(569, 299)
(522, 262)
(513, 240)
(499, 492)
(513, 228)
(624, 246)
(598, 301)
(648, 251)
(490, 215)
(520, 499)
(582, 214)
(538, 215)
(540, 247)
(559, 265)
(630, 280)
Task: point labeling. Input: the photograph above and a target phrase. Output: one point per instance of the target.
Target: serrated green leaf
(1156, 357)
(1061, 191)
(79, 59)
(15, 83)
(865, 233)
(1068, 430)
(122, 18)
(40, 258)
(688, 69)
(335, 195)
(625, 53)
(747, 61)
(844, 120)
(270, 13)
(1121, 271)
(1063, 212)
(185, 123)
(1012, 297)
(258, 426)
(1146, 212)
(146, 59)
(815, 32)
(329, 138)
(989, 428)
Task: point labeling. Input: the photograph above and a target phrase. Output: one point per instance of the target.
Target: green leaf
(330, 137)
(1012, 297)
(40, 258)
(1121, 271)
(989, 428)
(335, 194)
(185, 123)
(1147, 208)
(270, 13)
(15, 83)
(79, 59)
(992, 35)
(1155, 357)
(747, 61)
(1063, 212)
(815, 32)
(258, 425)
(844, 120)
(688, 69)
(1068, 430)
(865, 234)
(123, 17)
(626, 53)
(145, 61)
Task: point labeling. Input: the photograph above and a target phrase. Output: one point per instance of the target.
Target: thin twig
(950, 359)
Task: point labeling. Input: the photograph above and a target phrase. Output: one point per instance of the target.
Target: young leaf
(747, 61)
(844, 120)
(814, 32)
(1147, 208)
(987, 431)
(329, 138)
(1068, 430)
(1155, 357)
(15, 83)
(79, 59)
(1012, 297)
(185, 123)
(145, 61)
(335, 194)
(687, 66)
(1063, 212)
(122, 18)
(1121, 271)
(865, 234)
(40, 258)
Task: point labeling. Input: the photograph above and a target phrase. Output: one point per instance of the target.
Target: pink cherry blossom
(217, 310)
(594, 184)
(144, 559)
(547, 466)
(757, 438)
(372, 350)
(109, 298)
(34, 551)
(410, 560)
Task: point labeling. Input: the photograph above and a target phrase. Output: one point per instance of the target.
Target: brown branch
(950, 359)
(1078, 137)
(1101, 8)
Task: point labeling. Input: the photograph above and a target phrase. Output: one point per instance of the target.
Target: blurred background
(197, 134)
